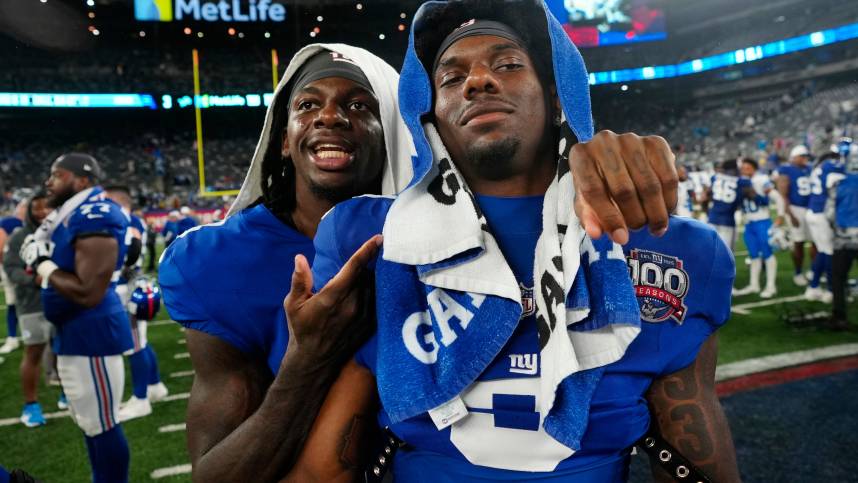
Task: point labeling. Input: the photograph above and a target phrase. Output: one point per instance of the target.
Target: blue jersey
(819, 183)
(228, 279)
(799, 184)
(170, 231)
(756, 206)
(726, 200)
(9, 224)
(186, 224)
(683, 283)
(101, 330)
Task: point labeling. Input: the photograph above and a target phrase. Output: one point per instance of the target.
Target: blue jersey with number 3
(683, 282)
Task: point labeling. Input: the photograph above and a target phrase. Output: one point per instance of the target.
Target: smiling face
(335, 139)
(491, 109)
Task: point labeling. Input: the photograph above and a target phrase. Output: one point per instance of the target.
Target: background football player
(77, 253)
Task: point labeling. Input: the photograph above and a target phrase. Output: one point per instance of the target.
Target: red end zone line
(780, 376)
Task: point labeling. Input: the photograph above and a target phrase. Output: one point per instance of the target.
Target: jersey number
(503, 428)
(803, 185)
(724, 190)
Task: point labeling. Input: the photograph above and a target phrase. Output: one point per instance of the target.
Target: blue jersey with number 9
(800, 185)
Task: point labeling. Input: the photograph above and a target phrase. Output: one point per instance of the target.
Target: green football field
(56, 453)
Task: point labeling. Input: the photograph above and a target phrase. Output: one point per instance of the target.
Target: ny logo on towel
(523, 364)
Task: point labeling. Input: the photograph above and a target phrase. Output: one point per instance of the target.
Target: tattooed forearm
(686, 410)
(353, 452)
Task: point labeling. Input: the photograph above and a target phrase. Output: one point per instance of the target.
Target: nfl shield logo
(528, 306)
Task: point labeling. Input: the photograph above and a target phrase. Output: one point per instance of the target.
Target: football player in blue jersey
(481, 74)
(77, 254)
(755, 190)
(7, 226)
(830, 169)
(333, 131)
(187, 220)
(145, 377)
(170, 230)
(793, 183)
(842, 213)
(723, 197)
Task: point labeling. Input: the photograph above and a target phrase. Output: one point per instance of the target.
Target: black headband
(328, 64)
(80, 164)
(475, 27)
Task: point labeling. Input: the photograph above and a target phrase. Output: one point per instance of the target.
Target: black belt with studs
(670, 459)
(381, 464)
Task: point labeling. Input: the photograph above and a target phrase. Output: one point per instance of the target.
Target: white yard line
(744, 309)
(172, 428)
(12, 421)
(171, 471)
(176, 397)
(779, 361)
(181, 341)
(741, 253)
(60, 414)
(159, 323)
(181, 374)
(182, 355)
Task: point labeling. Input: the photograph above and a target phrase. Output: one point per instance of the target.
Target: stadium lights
(320, 18)
(359, 6)
(90, 14)
(402, 15)
(267, 35)
(42, 100)
(96, 32)
(401, 27)
(380, 36)
(200, 35)
(90, 3)
(624, 87)
(727, 59)
(142, 33)
(241, 35)
(188, 31)
(317, 30)
(312, 34)
(44, 1)
(231, 31)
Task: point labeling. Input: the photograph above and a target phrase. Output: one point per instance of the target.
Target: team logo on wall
(528, 304)
(660, 283)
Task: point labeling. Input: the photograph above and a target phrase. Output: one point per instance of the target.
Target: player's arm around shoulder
(340, 445)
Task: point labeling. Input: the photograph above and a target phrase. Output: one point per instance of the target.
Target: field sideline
(55, 452)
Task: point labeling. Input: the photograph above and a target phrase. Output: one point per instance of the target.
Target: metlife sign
(221, 11)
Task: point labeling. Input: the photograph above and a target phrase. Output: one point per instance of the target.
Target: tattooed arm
(686, 409)
(340, 443)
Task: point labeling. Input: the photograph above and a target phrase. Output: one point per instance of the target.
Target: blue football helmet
(145, 299)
